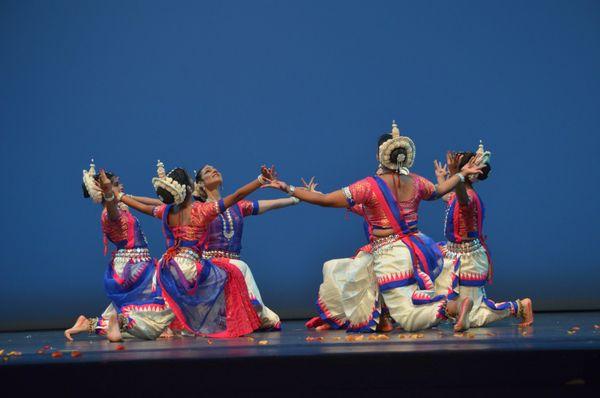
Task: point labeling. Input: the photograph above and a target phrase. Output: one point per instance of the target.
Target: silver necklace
(228, 234)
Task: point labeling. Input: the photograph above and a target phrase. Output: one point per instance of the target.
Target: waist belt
(464, 247)
(140, 253)
(208, 254)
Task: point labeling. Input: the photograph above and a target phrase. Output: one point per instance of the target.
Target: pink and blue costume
(467, 263)
(129, 280)
(401, 268)
(206, 298)
(224, 245)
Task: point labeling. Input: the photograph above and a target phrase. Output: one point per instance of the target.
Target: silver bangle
(261, 179)
(295, 200)
(120, 196)
(291, 190)
(462, 177)
(110, 198)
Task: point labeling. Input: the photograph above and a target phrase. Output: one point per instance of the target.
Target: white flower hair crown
(90, 183)
(403, 162)
(168, 184)
(483, 154)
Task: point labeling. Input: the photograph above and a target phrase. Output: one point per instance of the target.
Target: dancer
(343, 298)
(129, 277)
(405, 261)
(207, 298)
(224, 242)
(467, 263)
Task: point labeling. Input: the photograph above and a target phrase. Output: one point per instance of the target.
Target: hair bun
(169, 191)
(397, 153)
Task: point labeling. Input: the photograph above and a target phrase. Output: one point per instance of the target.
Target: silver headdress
(403, 162)
(484, 155)
(90, 183)
(167, 183)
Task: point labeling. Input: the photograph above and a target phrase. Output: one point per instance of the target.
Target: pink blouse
(115, 230)
(201, 216)
(361, 193)
(462, 224)
(248, 208)
(125, 232)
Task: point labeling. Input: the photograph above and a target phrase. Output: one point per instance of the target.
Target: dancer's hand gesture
(277, 184)
(441, 170)
(473, 166)
(105, 183)
(311, 185)
(453, 160)
(268, 174)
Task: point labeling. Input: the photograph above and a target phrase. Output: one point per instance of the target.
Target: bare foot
(167, 334)
(527, 312)
(81, 325)
(385, 324)
(114, 332)
(462, 323)
(322, 327)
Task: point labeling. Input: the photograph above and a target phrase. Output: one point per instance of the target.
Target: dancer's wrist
(108, 196)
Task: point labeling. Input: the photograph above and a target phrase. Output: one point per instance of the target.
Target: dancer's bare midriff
(382, 233)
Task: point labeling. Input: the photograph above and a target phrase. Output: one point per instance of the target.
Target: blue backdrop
(308, 86)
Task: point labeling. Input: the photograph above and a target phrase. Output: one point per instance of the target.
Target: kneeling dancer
(206, 298)
(467, 263)
(405, 261)
(130, 278)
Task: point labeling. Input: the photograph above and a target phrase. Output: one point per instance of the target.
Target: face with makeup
(211, 178)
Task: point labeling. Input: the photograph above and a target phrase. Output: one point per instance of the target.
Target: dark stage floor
(560, 353)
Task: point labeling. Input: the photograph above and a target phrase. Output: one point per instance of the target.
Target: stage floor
(551, 331)
(559, 345)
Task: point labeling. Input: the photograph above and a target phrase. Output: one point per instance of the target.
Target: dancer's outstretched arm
(241, 193)
(228, 200)
(267, 205)
(274, 204)
(266, 176)
(139, 206)
(107, 192)
(146, 200)
(333, 199)
(467, 170)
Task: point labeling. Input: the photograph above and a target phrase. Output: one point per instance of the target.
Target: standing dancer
(128, 280)
(467, 263)
(207, 299)
(405, 261)
(224, 242)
